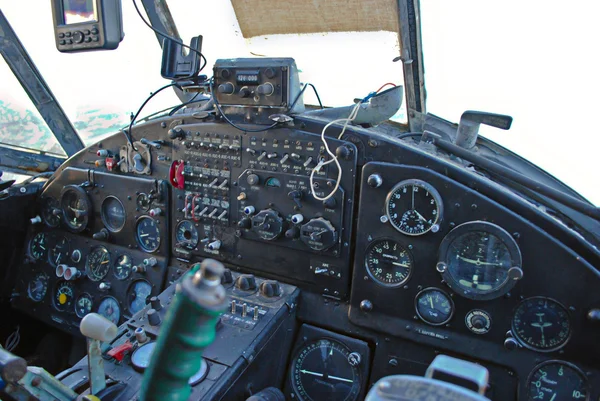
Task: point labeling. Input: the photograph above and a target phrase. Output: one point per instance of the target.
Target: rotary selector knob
(155, 303)
(245, 282)
(318, 234)
(253, 179)
(270, 289)
(478, 321)
(226, 88)
(153, 317)
(267, 224)
(227, 277)
(265, 89)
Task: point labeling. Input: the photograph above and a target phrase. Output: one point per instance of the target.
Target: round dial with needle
(63, 295)
(38, 246)
(557, 381)
(325, 370)
(59, 252)
(148, 234)
(541, 324)
(434, 306)
(388, 263)
(414, 207)
(97, 264)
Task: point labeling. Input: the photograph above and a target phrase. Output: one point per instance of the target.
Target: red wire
(384, 85)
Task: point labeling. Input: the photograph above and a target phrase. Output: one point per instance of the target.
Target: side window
(21, 124)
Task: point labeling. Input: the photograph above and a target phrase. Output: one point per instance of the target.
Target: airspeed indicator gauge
(414, 207)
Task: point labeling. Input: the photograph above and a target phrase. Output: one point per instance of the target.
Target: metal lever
(154, 144)
(468, 128)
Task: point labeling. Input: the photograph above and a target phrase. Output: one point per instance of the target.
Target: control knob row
(268, 288)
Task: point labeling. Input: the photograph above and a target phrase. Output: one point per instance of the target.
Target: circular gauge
(414, 207)
(51, 212)
(138, 295)
(143, 202)
(63, 295)
(83, 304)
(557, 380)
(123, 266)
(324, 370)
(186, 235)
(36, 289)
(38, 247)
(480, 260)
(434, 306)
(541, 324)
(76, 207)
(109, 308)
(97, 264)
(388, 263)
(59, 252)
(148, 234)
(113, 214)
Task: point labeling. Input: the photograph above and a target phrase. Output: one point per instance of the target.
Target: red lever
(176, 174)
(120, 351)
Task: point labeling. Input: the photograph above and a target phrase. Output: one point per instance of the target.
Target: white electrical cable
(334, 159)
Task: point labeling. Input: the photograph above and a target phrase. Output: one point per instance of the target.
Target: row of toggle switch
(254, 311)
(211, 146)
(295, 157)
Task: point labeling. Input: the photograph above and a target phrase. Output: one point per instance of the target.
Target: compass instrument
(541, 324)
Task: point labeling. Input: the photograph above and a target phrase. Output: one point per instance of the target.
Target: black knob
(510, 344)
(374, 180)
(225, 73)
(153, 317)
(478, 322)
(270, 288)
(330, 203)
(155, 303)
(226, 88)
(293, 232)
(246, 282)
(176, 133)
(227, 277)
(265, 89)
(77, 36)
(270, 72)
(245, 92)
(343, 152)
(245, 223)
(101, 235)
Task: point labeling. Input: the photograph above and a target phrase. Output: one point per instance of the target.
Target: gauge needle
(413, 199)
(340, 378)
(57, 258)
(431, 302)
(419, 215)
(479, 262)
(399, 264)
(308, 372)
(144, 235)
(553, 397)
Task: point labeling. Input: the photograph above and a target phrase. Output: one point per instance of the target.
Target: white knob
(297, 218)
(248, 210)
(215, 245)
(98, 327)
(36, 220)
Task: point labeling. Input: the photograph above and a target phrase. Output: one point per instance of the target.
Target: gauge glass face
(541, 324)
(39, 246)
(113, 214)
(414, 207)
(83, 304)
(123, 266)
(388, 263)
(63, 295)
(434, 306)
(321, 371)
(556, 380)
(187, 235)
(76, 207)
(148, 234)
(97, 264)
(37, 288)
(109, 308)
(138, 295)
(59, 252)
(51, 212)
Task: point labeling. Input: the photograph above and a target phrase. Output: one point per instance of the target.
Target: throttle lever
(468, 128)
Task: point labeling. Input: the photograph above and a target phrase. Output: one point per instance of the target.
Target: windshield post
(24, 69)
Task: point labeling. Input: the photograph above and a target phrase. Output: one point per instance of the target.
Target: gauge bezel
(561, 362)
(452, 306)
(80, 192)
(81, 295)
(195, 230)
(39, 274)
(119, 255)
(118, 304)
(30, 251)
(429, 188)
(130, 288)
(57, 285)
(105, 220)
(378, 281)
(143, 195)
(534, 348)
(137, 235)
(87, 263)
(490, 228)
(50, 202)
(50, 250)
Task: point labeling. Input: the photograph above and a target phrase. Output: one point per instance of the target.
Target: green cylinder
(188, 328)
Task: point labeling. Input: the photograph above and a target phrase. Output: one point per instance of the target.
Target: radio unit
(84, 25)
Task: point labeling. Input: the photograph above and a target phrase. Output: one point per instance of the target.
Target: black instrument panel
(421, 261)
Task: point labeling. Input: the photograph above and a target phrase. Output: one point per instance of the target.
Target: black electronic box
(84, 25)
